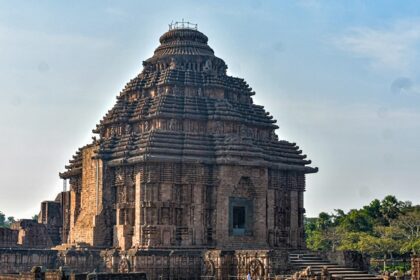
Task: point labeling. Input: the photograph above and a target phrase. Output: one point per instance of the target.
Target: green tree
(373, 210)
(408, 225)
(10, 220)
(353, 241)
(316, 241)
(338, 216)
(324, 221)
(357, 220)
(379, 246)
(383, 229)
(2, 219)
(391, 208)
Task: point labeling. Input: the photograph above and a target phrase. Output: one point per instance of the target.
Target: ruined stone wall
(8, 237)
(66, 210)
(83, 228)
(51, 216)
(31, 234)
(351, 259)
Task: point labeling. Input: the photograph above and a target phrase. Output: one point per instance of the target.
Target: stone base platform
(156, 263)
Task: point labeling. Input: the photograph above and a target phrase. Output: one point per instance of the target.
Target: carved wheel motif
(256, 268)
(124, 266)
(208, 268)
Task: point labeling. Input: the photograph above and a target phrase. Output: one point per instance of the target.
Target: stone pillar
(294, 218)
(137, 217)
(271, 216)
(198, 225)
(73, 213)
(301, 231)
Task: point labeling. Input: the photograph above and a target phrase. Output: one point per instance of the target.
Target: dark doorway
(238, 217)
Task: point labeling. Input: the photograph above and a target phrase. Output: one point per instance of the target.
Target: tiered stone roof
(184, 107)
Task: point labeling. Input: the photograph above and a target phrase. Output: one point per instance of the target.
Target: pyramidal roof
(183, 107)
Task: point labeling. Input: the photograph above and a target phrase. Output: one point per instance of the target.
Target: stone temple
(184, 165)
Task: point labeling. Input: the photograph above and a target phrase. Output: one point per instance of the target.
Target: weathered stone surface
(37, 273)
(351, 259)
(8, 237)
(32, 234)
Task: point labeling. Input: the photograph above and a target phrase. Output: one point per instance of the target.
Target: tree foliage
(2, 219)
(383, 228)
(5, 222)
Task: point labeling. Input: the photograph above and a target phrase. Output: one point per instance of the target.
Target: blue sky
(341, 78)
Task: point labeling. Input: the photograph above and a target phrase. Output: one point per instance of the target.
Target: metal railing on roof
(183, 25)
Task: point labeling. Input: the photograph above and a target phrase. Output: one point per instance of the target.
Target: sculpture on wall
(124, 265)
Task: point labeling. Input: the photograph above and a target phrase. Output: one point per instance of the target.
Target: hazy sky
(341, 77)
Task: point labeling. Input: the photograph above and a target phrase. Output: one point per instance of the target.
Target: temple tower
(185, 159)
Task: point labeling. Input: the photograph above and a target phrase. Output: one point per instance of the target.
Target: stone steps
(330, 266)
(301, 260)
(307, 263)
(373, 277)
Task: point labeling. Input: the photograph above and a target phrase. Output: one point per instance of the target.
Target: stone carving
(108, 262)
(124, 265)
(256, 269)
(172, 124)
(128, 129)
(219, 127)
(208, 268)
(324, 271)
(245, 188)
(172, 64)
(176, 90)
(207, 66)
(245, 132)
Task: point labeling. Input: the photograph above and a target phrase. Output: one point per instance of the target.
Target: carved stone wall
(156, 263)
(285, 206)
(249, 184)
(22, 260)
